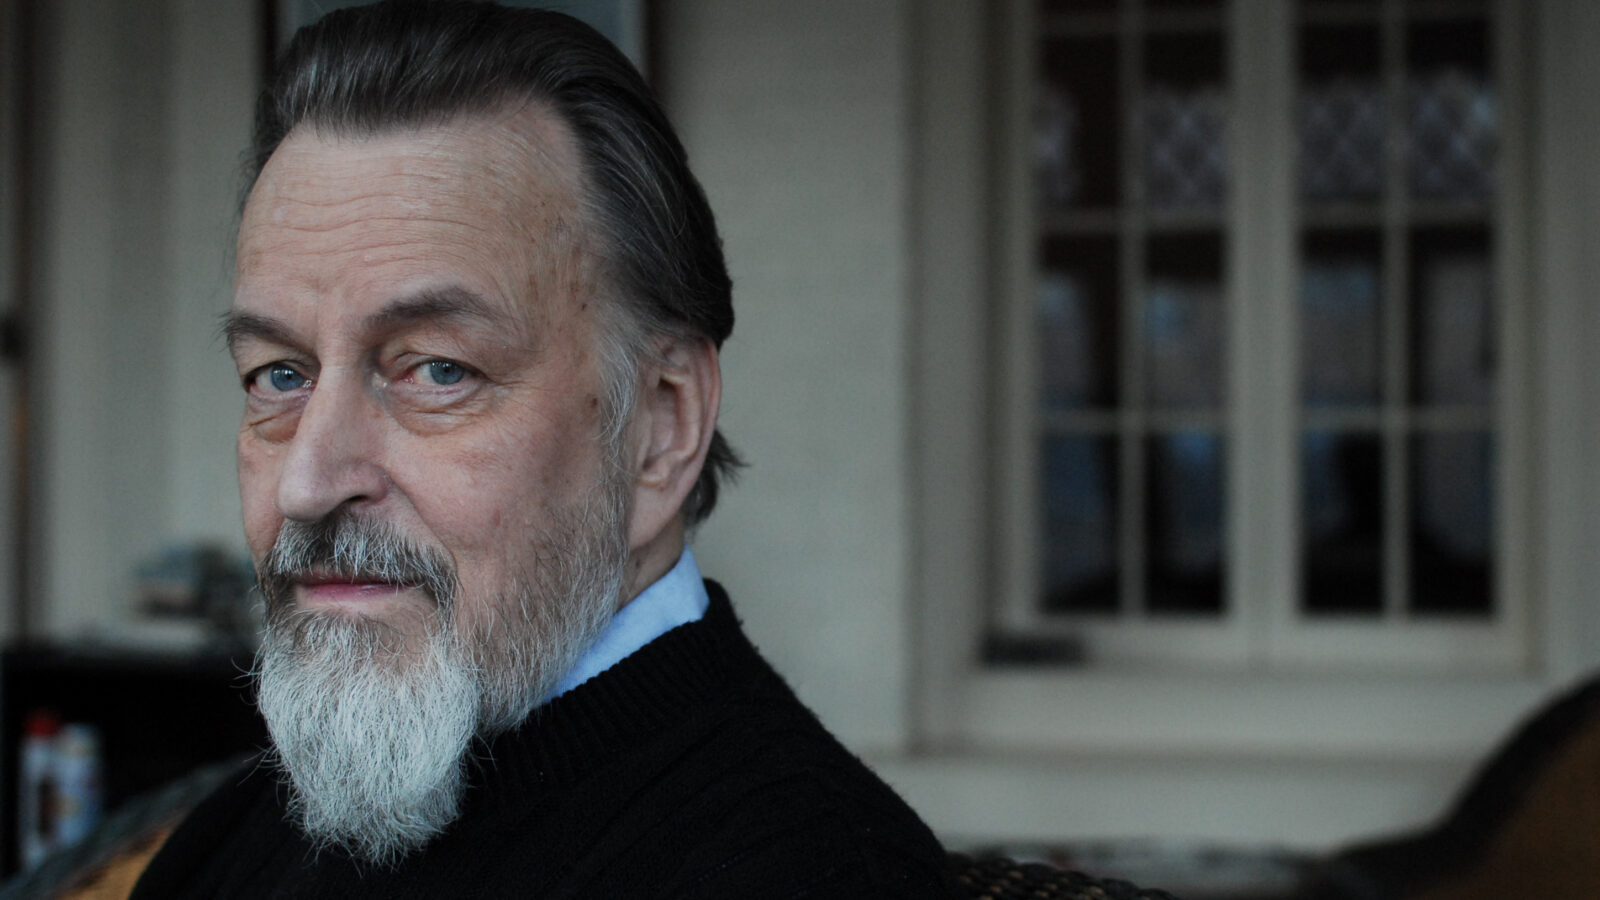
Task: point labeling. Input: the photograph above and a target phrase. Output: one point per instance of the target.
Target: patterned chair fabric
(997, 878)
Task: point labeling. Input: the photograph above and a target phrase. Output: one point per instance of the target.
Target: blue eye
(444, 372)
(284, 378)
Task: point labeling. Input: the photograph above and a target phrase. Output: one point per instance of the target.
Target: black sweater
(687, 770)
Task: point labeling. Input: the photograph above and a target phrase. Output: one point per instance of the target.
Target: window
(1206, 466)
(1372, 718)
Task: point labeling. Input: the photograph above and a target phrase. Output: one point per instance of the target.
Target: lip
(326, 590)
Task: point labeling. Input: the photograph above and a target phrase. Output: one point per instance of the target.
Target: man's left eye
(443, 372)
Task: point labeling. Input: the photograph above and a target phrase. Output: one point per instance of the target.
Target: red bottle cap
(42, 723)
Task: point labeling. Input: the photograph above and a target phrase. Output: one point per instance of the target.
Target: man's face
(412, 324)
(438, 526)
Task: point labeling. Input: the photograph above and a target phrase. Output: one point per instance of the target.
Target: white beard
(374, 755)
(373, 725)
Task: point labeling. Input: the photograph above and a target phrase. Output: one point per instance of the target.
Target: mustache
(347, 546)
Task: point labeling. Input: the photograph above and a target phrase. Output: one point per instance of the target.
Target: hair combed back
(414, 63)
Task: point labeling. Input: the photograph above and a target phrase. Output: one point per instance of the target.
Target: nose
(334, 458)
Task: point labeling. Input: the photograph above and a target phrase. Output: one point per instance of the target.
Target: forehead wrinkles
(510, 177)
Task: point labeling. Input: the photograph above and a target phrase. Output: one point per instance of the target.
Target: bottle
(78, 782)
(39, 789)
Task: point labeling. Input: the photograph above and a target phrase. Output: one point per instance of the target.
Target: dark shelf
(160, 716)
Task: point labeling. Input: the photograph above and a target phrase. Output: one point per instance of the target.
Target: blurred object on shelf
(189, 596)
(60, 785)
(36, 823)
(77, 764)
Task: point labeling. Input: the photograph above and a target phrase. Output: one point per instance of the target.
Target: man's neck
(648, 563)
(678, 598)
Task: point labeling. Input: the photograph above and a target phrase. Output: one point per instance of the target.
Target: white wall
(145, 114)
(213, 80)
(102, 383)
(795, 119)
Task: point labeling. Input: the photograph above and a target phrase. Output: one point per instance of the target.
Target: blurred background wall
(847, 147)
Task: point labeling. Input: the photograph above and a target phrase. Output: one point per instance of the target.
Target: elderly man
(479, 298)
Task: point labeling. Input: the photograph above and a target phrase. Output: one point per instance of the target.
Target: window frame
(974, 711)
(1263, 421)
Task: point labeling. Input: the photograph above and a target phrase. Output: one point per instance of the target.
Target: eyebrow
(239, 326)
(428, 305)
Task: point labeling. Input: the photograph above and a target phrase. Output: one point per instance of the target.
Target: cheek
(258, 480)
(485, 490)
(487, 501)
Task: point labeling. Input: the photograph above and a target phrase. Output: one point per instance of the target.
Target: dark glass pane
(1342, 7)
(1183, 512)
(1076, 318)
(1339, 111)
(1342, 523)
(1185, 5)
(1184, 115)
(1077, 124)
(1183, 322)
(1452, 115)
(1452, 317)
(1340, 318)
(1329, 52)
(1452, 521)
(1079, 554)
(1051, 7)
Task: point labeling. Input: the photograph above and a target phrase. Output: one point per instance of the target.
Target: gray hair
(409, 63)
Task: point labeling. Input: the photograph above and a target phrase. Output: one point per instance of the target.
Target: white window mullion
(1263, 355)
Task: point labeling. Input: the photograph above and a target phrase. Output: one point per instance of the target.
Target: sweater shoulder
(780, 807)
(203, 851)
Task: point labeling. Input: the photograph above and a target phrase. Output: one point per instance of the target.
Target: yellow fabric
(115, 879)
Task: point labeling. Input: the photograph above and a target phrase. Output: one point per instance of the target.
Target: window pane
(1050, 7)
(1452, 487)
(1340, 113)
(1340, 319)
(1341, 7)
(1183, 322)
(1452, 317)
(1077, 124)
(1342, 523)
(1184, 114)
(1186, 5)
(1079, 554)
(1183, 515)
(1076, 317)
(1452, 117)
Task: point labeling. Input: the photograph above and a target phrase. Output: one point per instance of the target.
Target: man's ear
(674, 418)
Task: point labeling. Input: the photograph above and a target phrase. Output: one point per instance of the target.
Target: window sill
(1312, 717)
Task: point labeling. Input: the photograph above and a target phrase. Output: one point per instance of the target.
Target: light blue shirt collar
(678, 598)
